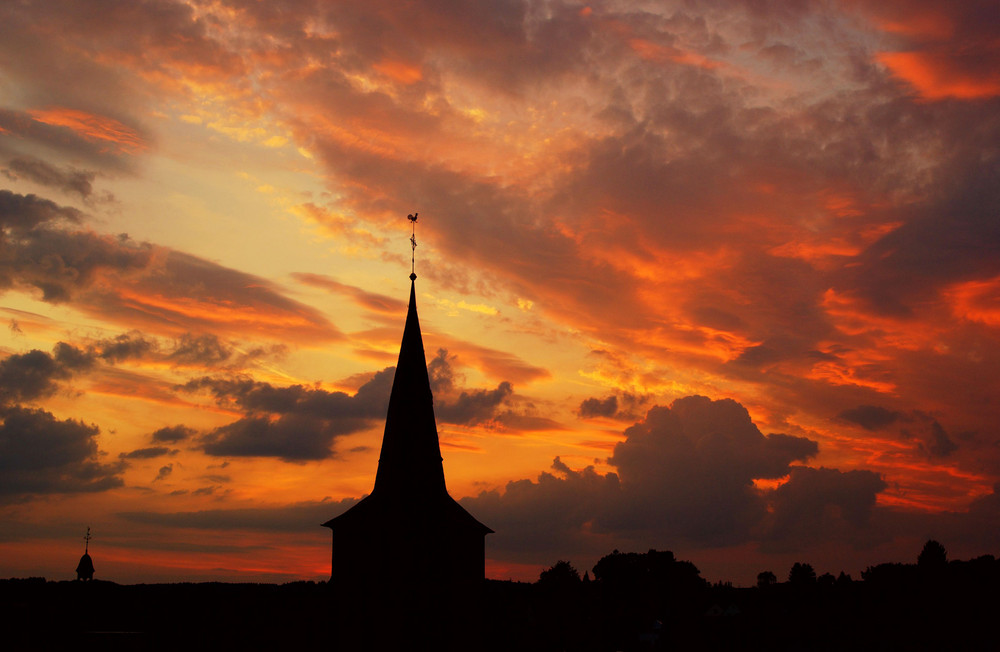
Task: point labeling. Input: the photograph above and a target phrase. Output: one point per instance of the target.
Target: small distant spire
(85, 569)
(413, 244)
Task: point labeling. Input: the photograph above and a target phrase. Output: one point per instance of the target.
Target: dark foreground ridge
(635, 601)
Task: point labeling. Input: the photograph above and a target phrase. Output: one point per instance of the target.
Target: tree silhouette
(801, 574)
(560, 575)
(765, 579)
(933, 556)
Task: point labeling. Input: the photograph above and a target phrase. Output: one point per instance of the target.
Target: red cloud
(95, 128)
(938, 76)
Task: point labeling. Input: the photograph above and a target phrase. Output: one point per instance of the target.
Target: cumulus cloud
(552, 515)
(40, 454)
(627, 406)
(690, 468)
(684, 474)
(36, 374)
(822, 505)
(173, 434)
(43, 454)
(20, 213)
(126, 346)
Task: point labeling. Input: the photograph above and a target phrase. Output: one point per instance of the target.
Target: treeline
(652, 601)
(627, 601)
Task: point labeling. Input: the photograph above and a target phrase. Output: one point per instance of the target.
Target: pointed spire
(410, 462)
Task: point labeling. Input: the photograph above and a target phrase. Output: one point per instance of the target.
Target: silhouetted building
(409, 545)
(85, 569)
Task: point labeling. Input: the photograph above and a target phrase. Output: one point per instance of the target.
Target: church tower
(85, 569)
(409, 544)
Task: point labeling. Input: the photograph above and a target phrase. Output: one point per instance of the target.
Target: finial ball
(413, 277)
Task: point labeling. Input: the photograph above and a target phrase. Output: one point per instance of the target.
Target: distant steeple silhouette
(409, 544)
(85, 569)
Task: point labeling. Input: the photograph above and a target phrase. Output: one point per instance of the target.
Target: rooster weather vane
(413, 244)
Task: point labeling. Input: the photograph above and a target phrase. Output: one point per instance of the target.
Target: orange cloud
(95, 128)
(937, 77)
(655, 52)
(976, 300)
(926, 23)
(399, 71)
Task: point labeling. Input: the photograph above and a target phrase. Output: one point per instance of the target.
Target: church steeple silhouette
(85, 569)
(409, 542)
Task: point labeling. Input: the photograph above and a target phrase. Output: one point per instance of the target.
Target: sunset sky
(717, 277)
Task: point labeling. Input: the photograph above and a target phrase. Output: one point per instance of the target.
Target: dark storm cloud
(296, 517)
(43, 455)
(68, 180)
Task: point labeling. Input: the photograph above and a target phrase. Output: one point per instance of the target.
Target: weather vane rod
(413, 245)
(86, 538)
